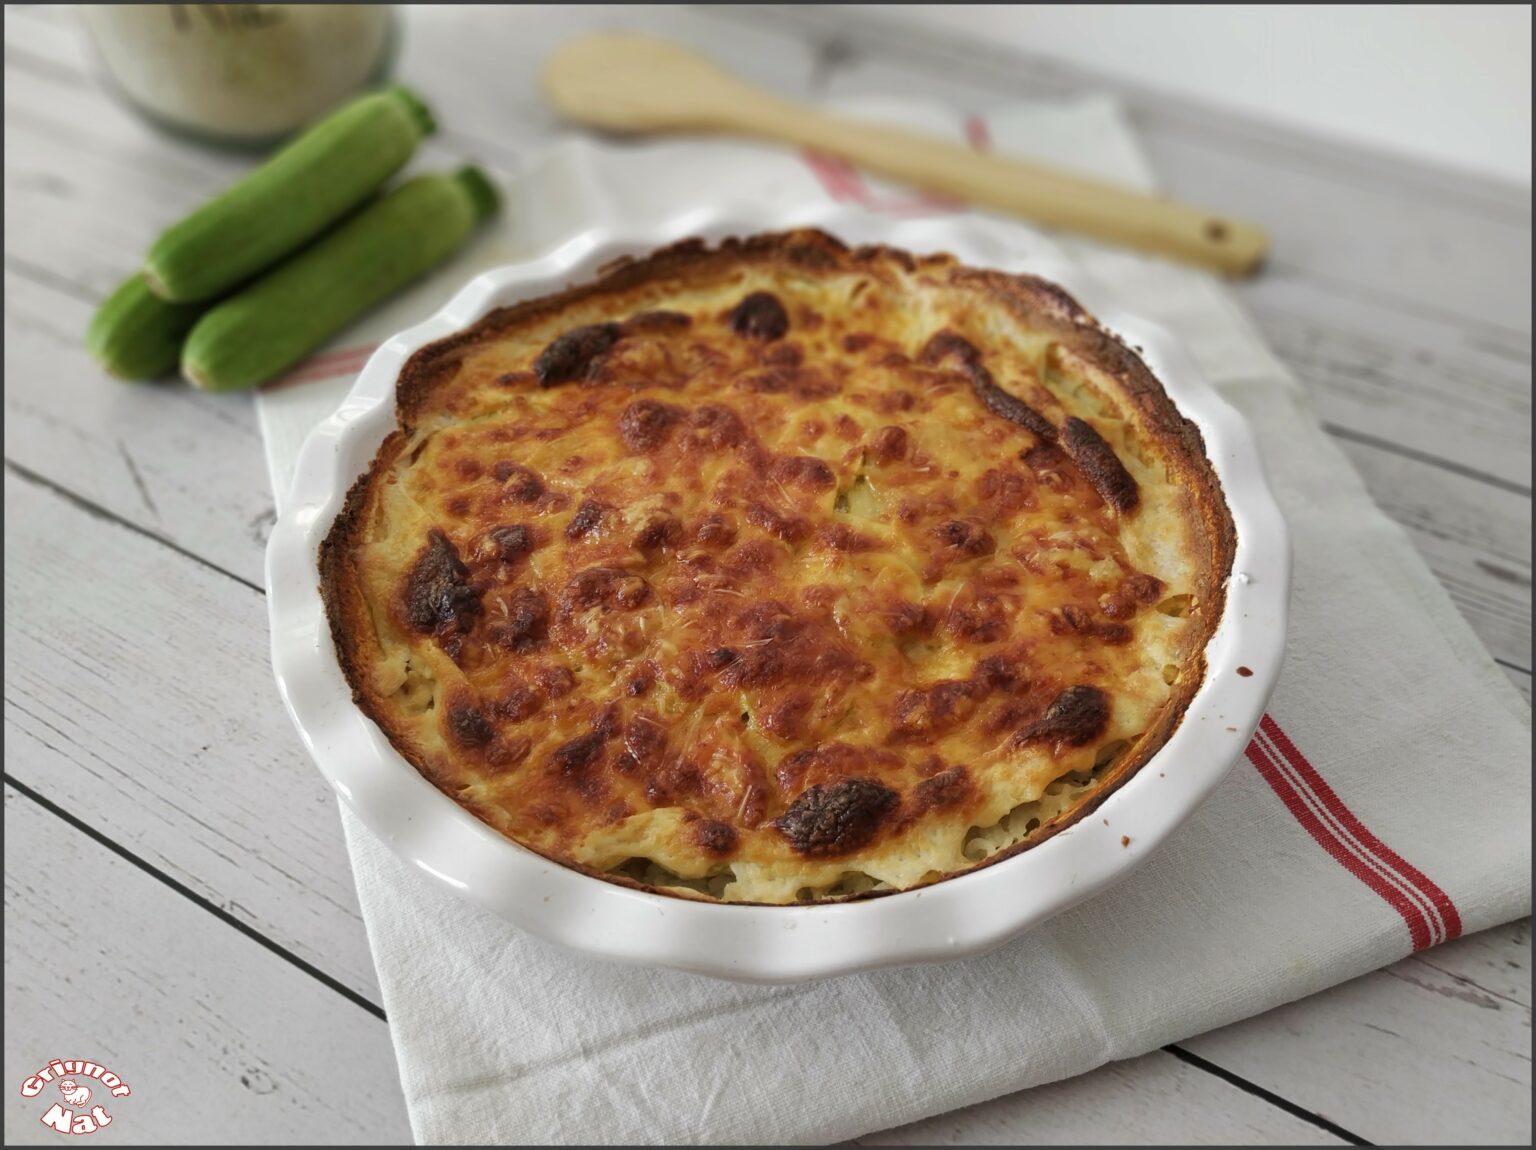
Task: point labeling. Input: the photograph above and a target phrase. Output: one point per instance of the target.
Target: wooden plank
(1522, 682)
(1439, 1046)
(217, 1037)
(139, 698)
(1475, 538)
(180, 463)
(1495, 963)
(88, 181)
(1380, 239)
(1155, 1100)
(1438, 386)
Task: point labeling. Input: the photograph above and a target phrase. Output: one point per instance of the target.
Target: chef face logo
(77, 1083)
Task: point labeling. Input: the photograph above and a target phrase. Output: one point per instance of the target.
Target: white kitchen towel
(1383, 807)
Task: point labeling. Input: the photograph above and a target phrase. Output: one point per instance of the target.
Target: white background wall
(1441, 82)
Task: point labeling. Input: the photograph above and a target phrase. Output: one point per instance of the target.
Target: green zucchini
(293, 197)
(269, 326)
(137, 335)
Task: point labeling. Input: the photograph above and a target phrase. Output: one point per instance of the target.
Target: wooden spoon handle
(1104, 211)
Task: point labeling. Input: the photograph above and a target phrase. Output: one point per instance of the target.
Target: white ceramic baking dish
(960, 916)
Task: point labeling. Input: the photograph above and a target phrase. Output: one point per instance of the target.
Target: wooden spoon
(627, 83)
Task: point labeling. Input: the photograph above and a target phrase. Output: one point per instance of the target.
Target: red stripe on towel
(1428, 911)
(333, 365)
(977, 134)
(1442, 906)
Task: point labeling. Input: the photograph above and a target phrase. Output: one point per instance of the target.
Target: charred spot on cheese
(932, 710)
(1098, 461)
(760, 315)
(909, 620)
(579, 753)
(519, 704)
(841, 537)
(774, 381)
(588, 518)
(783, 355)
(829, 762)
(578, 763)
(572, 355)
(1005, 490)
(1144, 588)
(714, 838)
(656, 322)
(716, 426)
(748, 558)
(790, 528)
(777, 643)
(804, 471)
(645, 740)
(676, 781)
(468, 725)
(504, 754)
(518, 482)
(506, 543)
(1014, 410)
(948, 788)
(1075, 717)
(890, 445)
(948, 345)
(556, 681)
(836, 818)
(605, 587)
(770, 633)
(521, 620)
(998, 671)
(437, 590)
(786, 720)
(977, 619)
(965, 537)
(1044, 459)
(1117, 606)
(715, 531)
(1071, 619)
(644, 424)
(658, 532)
(802, 383)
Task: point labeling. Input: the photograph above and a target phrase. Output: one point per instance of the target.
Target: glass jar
(242, 74)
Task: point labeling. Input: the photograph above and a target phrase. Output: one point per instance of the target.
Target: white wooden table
(178, 899)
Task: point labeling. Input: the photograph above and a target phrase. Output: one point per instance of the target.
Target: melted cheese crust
(780, 571)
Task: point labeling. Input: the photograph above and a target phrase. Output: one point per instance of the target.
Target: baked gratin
(780, 571)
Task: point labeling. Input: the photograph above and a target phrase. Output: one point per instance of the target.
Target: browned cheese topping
(780, 571)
